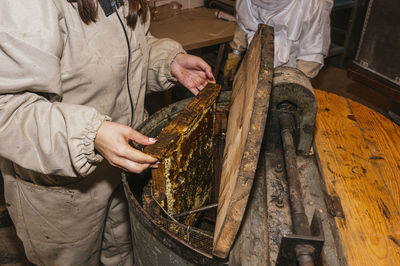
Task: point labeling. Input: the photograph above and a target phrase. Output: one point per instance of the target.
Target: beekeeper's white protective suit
(59, 80)
(302, 30)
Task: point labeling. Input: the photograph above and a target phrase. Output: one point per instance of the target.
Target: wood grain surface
(194, 28)
(359, 157)
(246, 123)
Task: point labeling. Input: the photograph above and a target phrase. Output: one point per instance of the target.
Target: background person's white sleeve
(315, 38)
(302, 27)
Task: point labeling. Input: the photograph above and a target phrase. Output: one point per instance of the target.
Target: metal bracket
(333, 206)
(292, 86)
(291, 244)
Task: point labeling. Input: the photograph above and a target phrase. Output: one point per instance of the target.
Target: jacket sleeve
(315, 37)
(162, 53)
(37, 131)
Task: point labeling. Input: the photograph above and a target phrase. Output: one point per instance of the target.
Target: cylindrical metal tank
(153, 244)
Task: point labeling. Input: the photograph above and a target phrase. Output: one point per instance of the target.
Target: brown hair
(137, 9)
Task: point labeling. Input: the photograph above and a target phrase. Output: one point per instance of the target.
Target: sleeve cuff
(88, 149)
(169, 61)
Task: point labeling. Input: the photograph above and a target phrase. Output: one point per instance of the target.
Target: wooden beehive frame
(185, 150)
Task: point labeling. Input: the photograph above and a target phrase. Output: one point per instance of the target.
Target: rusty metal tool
(305, 245)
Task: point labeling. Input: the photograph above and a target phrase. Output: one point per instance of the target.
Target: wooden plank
(194, 28)
(383, 139)
(359, 157)
(251, 244)
(246, 123)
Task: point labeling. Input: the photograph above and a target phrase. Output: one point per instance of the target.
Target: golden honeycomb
(185, 150)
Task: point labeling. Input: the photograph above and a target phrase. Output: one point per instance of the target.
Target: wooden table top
(194, 28)
(359, 158)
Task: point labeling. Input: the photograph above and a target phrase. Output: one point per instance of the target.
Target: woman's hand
(112, 141)
(192, 72)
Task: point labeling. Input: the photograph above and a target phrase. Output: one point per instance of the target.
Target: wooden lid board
(246, 123)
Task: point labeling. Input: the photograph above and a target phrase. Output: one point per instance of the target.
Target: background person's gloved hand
(239, 46)
(310, 69)
(231, 65)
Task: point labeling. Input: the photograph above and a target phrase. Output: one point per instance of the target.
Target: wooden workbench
(359, 158)
(194, 28)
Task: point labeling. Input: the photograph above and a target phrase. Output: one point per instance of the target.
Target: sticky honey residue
(185, 148)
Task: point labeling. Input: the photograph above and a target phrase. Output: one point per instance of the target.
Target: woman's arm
(169, 63)
(37, 131)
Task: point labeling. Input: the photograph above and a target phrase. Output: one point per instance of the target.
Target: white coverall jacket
(59, 80)
(302, 27)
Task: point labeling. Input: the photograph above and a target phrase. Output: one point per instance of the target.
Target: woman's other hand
(112, 141)
(192, 72)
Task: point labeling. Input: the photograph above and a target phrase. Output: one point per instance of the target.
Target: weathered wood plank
(251, 244)
(382, 137)
(358, 150)
(246, 123)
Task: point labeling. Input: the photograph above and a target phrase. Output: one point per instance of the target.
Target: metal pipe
(299, 218)
(214, 205)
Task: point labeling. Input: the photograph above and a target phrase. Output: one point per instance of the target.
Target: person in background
(73, 78)
(301, 27)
